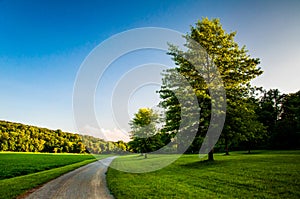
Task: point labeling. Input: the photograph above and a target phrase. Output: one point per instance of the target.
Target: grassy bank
(263, 174)
(23, 171)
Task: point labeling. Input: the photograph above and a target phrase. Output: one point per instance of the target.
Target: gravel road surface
(87, 182)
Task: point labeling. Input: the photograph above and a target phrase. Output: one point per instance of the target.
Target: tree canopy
(236, 69)
(143, 132)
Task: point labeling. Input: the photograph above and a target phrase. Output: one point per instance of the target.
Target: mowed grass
(263, 174)
(21, 172)
(18, 164)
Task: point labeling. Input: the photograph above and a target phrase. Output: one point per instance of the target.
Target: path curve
(87, 182)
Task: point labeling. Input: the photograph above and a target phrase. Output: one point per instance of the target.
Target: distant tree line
(26, 138)
(280, 114)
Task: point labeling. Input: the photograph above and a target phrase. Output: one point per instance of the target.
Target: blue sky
(43, 43)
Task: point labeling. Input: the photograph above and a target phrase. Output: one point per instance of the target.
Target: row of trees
(276, 126)
(25, 138)
(254, 117)
(280, 114)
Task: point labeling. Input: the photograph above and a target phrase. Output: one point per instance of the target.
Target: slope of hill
(26, 138)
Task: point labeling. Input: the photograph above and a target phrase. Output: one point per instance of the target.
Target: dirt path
(87, 182)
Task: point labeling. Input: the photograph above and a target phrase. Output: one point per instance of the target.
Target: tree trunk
(211, 155)
(249, 147)
(146, 155)
(226, 146)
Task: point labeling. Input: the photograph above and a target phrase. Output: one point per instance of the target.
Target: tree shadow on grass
(204, 164)
(252, 153)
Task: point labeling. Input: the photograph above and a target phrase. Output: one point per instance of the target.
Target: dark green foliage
(270, 108)
(144, 145)
(280, 113)
(287, 132)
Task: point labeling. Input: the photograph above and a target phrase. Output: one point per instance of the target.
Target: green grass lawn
(18, 164)
(20, 172)
(263, 174)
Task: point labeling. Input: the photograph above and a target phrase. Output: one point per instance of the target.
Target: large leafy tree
(143, 132)
(235, 67)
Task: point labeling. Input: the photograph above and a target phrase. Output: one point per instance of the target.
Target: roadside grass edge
(18, 187)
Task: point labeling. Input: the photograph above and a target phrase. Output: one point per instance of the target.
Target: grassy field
(263, 174)
(18, 164)
(20, 172)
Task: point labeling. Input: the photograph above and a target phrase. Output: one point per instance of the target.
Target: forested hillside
(26, 138)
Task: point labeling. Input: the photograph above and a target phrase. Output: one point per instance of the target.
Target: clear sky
(43, 43)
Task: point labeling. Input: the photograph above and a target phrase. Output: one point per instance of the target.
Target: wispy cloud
(106, 134)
